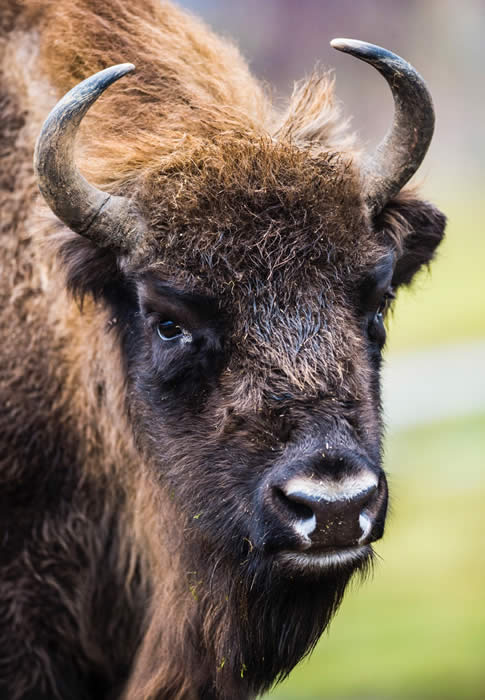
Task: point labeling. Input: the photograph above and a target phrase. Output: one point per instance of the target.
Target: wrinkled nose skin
(340, 504)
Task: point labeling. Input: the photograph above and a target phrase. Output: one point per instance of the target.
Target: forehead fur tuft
(314, 116)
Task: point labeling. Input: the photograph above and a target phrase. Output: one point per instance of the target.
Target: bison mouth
(325, 559)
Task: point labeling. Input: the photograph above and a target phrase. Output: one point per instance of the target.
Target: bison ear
(90, 270)
(415, 229)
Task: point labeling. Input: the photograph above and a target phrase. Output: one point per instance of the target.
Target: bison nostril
(299, 510)
(366, 522)
(330, 512)
(318, 513)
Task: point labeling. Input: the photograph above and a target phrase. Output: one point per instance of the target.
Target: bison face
(265, 426)
(250, 278)
(253, 354)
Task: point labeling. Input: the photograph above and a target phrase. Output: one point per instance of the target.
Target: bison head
(250, 277)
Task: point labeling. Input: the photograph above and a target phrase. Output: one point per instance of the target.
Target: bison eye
(383, 306)
(168, 330)
(377, 331)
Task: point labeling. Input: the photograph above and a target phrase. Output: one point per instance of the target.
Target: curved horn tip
(123, 68)
(362, 49)
(97, 83)
(113, 73)
(344, 44)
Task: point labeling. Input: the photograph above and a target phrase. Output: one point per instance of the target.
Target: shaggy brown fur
(125, 566)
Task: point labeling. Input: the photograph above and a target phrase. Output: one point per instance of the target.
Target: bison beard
(183, 509)
(270, 622)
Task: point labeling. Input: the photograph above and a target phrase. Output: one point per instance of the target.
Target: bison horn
(402, 150)
(107, 220)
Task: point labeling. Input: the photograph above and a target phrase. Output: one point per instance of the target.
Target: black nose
(319, 511)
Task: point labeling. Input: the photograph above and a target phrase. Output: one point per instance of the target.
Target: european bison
(190, 430)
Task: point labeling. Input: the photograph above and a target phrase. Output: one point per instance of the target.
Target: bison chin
(260, 619)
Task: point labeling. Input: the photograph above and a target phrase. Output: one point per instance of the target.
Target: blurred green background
(417, 628)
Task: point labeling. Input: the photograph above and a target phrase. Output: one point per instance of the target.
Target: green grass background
(417, 628)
